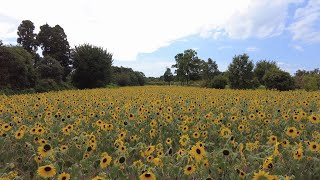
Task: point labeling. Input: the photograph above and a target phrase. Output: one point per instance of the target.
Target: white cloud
(306, 18)
(127, 28)
(298, 47)
(224, 47)
(252, 49)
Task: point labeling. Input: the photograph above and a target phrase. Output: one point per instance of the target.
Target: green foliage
(310, 83)
(308, 80)
(92, 66)
(240, 72)
(168, 76)
(27, 38)
(127, 77)
(262, 67)
(219, 82)
(278, 79)
(188, 66)
(16, 65)
(210, 69)
(44, 85)
(49, 68)
(54, 43)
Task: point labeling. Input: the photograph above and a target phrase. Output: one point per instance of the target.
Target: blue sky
(146, 35)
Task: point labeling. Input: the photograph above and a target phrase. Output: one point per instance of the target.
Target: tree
(168, 76)
(92, 66)
(1, 44)
(49, 68)
(54, 43)
(16, 68)
(210, 69)
(262, 67)
(188, 66)
(278, 79)
(27, 38)
(240, 72)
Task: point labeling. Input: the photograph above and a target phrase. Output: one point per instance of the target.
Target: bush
(219, 82)
(280, 80)
(45, 85)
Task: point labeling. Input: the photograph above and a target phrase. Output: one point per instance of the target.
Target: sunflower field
(160, 133)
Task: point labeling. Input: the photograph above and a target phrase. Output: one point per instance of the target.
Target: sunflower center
(198, 151)
(47, 169)
(225, 152)
(104, 160)
(64, 178)
(291, 130)
(189, 168)
(147, 175)
(314, 146)
(46, 147)
(122, 159)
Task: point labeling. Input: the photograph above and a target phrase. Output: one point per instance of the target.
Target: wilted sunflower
(147, 176)
(46, 171)
(189, 169)
(64, 176)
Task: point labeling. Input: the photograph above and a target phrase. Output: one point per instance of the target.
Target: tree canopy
(27, 37)
(92, 66)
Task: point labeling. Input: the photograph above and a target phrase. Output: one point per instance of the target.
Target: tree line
(60, 66)
(242, 73)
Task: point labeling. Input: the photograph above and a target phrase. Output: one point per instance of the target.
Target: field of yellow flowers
(160, 133)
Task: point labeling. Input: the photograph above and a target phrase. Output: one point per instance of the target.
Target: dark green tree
(262, 67)
(240, 72)
(168, 76)
(54, 43)
(27, 37)
(210, 69)
(49, 68)
(188, 66)
(92, 66)
(16, 68)
(278, 79)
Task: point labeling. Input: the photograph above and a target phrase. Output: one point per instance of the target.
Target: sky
(145, 35)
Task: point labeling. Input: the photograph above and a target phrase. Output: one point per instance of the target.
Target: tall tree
(27, 38)
(54, 43)
(16, 68)
(210, 69)
(168, 76)
(262, 67)
(188, 66)
(240, 72)
(92, 66)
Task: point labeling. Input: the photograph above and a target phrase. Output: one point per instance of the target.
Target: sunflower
(64, 176)
(44, 150)
(197, 153)
(168, 141)
(189, 169)
(157, 161)
(314, 147)
(46, 171)
(314, 119)
(252, 117)
(225, 132)
(292, 132)
(19, 134)
(184, 140)
(272, 139)
(147, 176)
(105, 160)
(6, 127)
(196, 135)
(298, 154)
(261, 175)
